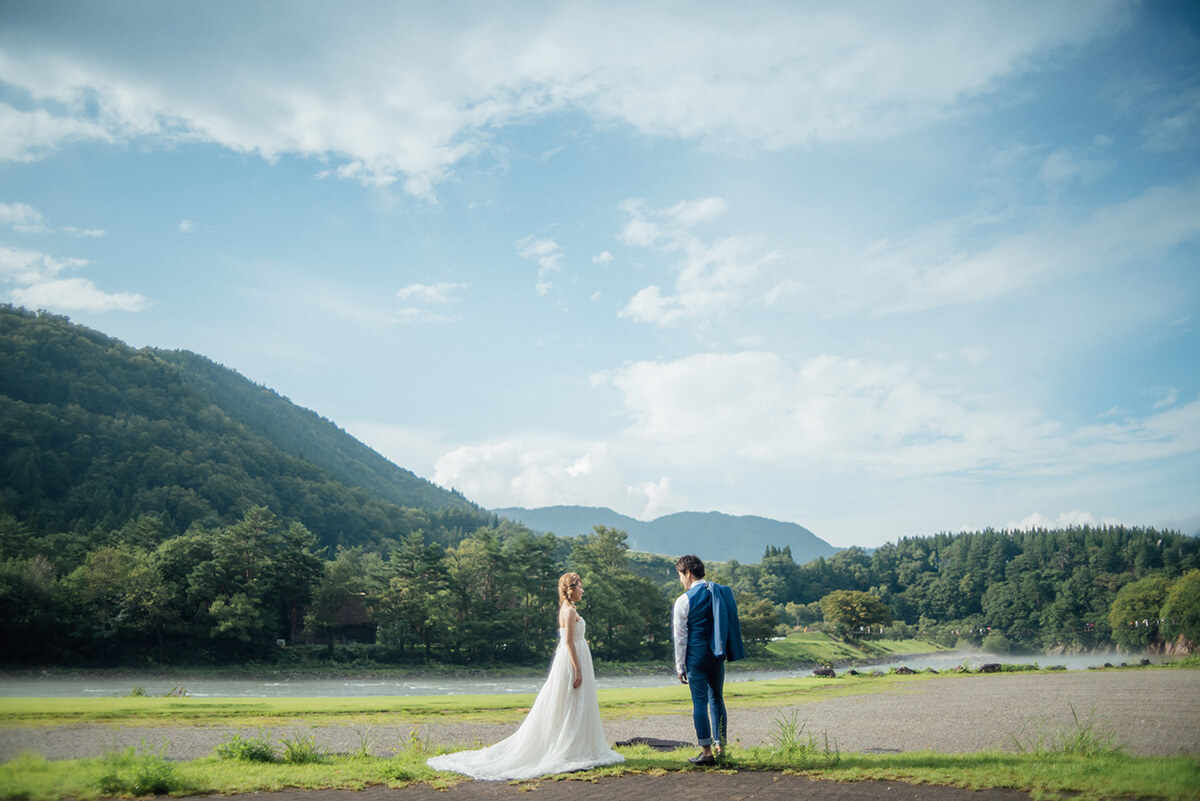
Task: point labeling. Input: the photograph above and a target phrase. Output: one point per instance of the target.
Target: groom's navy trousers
(706, 679)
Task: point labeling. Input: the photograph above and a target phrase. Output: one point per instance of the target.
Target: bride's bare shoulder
(567, 614)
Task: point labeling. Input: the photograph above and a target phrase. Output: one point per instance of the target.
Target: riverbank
(1151, 712)
(797, 652)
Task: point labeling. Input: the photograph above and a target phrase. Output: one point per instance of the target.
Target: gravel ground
(1152, 712)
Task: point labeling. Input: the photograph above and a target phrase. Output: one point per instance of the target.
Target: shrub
(301, 750)
(996, 644)
(139, 773)
(247, 749)
(1181, 610)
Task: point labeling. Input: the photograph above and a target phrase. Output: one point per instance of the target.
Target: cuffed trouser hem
(705, 741)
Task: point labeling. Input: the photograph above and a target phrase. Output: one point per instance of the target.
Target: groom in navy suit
(706, 633)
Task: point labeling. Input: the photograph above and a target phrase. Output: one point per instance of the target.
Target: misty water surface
(286, 687)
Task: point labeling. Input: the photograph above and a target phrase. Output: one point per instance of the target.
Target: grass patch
(302, 749)
(141, 772)
(1046, 776)
(1050, 776)
(794, 743)
(817, 647)
(148, 711)
(247, 749)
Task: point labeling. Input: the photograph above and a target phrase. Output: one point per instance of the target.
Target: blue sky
(882, 270)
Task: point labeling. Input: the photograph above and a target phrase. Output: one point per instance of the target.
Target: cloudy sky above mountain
(882, 270)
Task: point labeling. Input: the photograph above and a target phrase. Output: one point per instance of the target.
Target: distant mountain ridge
(711, 535)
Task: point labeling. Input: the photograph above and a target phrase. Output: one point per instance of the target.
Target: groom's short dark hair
(690, 564)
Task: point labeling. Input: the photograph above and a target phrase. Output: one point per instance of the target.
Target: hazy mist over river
(285, 686)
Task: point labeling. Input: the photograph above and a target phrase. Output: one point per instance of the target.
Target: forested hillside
(94, 434)
(306, 435)
(1039, 589)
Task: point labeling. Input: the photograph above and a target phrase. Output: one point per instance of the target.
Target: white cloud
(712, 276)
(1169, 398)
(1174, 123)
(548, 256)
(1072, 519)
(538, 472)
(1169, 112)
(433, 84)
(87, 233)
(425, 295)
(39, 285)
(186, 226)
(1062, 168)
(28, 267)
(26, 219)
(938, 266)
(76, 294)
(442, 292)
(783, 290)
(22, 217)
(31, 135)
(602, 258)
(854, 414)
(1173, 431)
(949, 262)
(416, 314)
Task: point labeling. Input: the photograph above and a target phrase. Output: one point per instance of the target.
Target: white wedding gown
(562, 732)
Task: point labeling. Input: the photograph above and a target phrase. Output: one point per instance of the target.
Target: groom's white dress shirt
(679, 629)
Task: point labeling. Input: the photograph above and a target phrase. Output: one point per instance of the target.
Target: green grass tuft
(302, 749)
(247, 749)
(140, 772)
(1083, 738)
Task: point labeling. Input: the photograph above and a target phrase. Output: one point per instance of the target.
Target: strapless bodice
(580, 625)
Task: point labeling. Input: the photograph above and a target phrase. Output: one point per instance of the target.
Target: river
(283, 686)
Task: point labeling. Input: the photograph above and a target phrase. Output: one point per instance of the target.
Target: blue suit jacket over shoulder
(727, 629)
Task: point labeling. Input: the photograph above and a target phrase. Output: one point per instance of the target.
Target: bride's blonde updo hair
(565, 582)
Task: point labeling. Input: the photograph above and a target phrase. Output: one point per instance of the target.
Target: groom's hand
(683, 678)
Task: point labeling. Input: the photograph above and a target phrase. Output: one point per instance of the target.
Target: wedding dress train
(562, 732)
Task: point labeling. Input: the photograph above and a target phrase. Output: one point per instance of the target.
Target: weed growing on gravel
(416, 746)
(301, 749)
(366, 741)
(790, 738)
(1083, 738)
(139, 772)
(247, 749)
(794, 744)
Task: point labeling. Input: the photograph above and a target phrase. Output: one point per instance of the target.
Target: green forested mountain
(94, 434)
(306, 435)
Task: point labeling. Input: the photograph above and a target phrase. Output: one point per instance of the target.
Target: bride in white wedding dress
(563, 731)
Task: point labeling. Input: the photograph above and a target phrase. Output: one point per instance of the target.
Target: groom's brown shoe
(703, 760)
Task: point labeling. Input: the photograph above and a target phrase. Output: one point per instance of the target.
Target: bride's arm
(572, 616)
